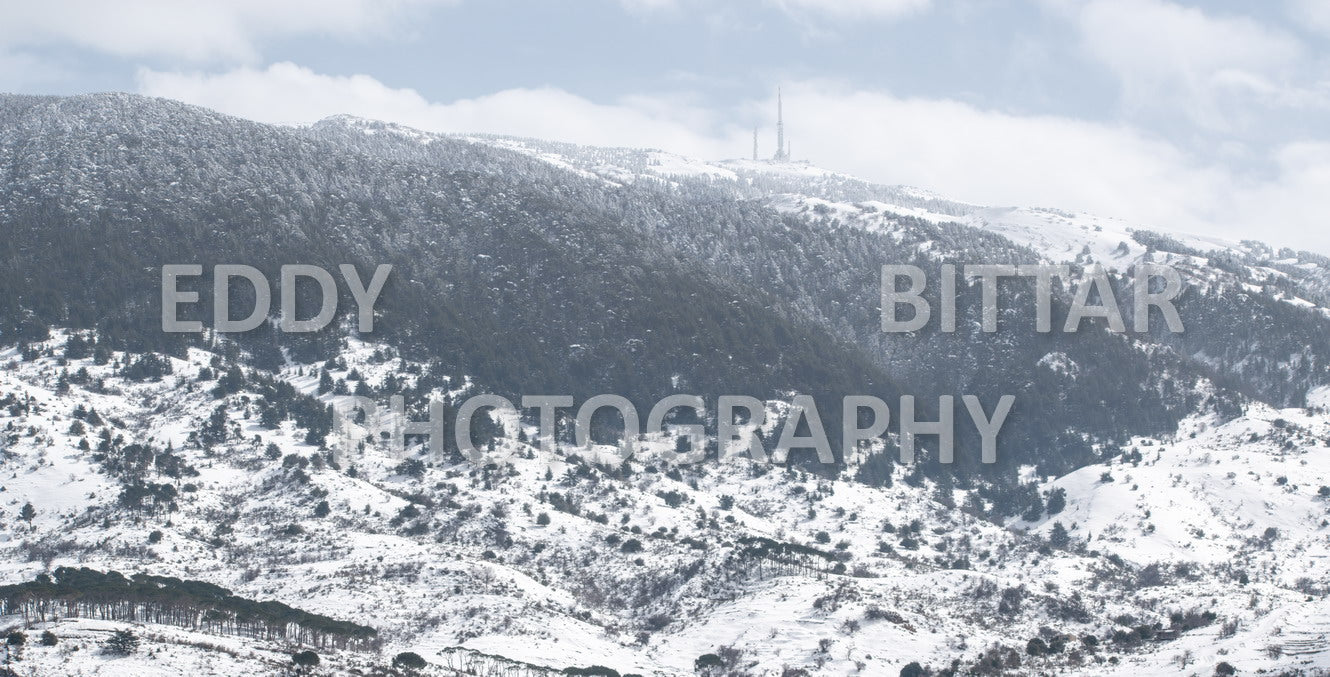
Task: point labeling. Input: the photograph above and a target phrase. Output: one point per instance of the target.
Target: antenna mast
(782, 154)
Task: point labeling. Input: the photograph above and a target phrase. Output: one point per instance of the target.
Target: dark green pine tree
(1059, 538)
(1057, 501)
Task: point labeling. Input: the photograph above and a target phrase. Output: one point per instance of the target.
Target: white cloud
(1292, 206)
(1116, 170)
(990, 157)
(798, 9)
(191, 29)
(957, 149)
(855, 9)
(1313, 13)
(648, 5)
(286, 93)
(1211, 68)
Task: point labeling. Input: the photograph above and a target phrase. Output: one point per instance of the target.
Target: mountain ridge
(211, 457)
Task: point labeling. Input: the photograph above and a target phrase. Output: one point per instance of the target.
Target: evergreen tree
(14, 645)
(270, 417)
(122, 643)
(305, 659)
(409, 660)
(913, 669)
(76, 347)
(1059, 538)
(1057, 501)
(325, 382)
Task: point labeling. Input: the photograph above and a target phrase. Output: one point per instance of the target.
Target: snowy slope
(470, 568)
(539, 562)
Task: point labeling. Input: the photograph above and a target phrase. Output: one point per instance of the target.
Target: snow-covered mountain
(465, 559)
(1160, 508)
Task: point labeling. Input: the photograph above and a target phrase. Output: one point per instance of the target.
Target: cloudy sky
(1206, 117)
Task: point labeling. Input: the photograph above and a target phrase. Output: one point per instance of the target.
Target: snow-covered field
(1174, 554)
(461, 557)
